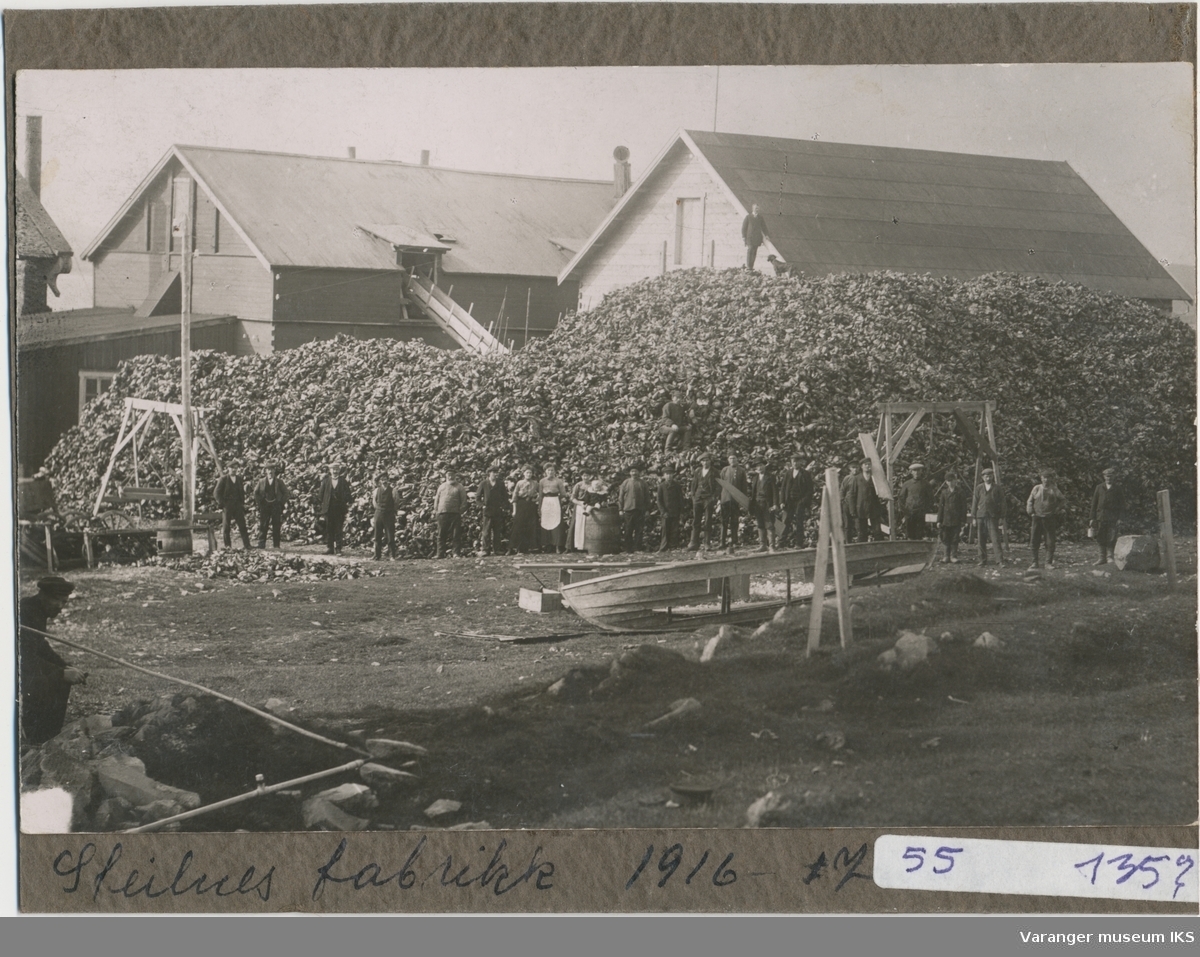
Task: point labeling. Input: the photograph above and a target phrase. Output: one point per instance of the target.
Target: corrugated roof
(309, 210)
(37, 235)
(85, 325)
(844, 208)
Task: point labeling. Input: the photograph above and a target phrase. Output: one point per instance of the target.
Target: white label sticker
(1035, 867)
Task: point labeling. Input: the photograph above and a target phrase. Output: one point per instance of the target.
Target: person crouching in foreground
(46, 678)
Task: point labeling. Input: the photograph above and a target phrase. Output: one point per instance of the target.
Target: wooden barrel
(602, 532)
(175, 539)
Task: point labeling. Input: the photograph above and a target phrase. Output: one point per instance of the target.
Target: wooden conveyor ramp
(455, 320)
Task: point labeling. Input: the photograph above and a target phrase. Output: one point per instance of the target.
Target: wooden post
(837, 542)
(528, 298)
(818, 595)
(891, 505)
(1168, 536)
(185, 358)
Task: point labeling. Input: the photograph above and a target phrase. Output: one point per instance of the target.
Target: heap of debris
(249, 565)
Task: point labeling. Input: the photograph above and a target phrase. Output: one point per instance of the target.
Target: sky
(1127, 129)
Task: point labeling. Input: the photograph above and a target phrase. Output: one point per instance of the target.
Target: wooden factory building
(834, 208)
(300, 248)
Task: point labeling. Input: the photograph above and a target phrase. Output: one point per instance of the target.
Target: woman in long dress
(578, 503)
(526, 496)
(554, 497)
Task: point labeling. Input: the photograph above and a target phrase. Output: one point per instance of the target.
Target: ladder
(455, 320)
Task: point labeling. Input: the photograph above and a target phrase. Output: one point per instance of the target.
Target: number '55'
(945, 854)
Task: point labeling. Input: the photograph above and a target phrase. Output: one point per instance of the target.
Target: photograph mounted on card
(406, 452)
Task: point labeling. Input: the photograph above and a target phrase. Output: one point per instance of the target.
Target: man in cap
(493, 499)
(795, 497)
(988, 507)
(383, 525)
(915, 501)
(864, 504)
(952, 514)
(46, 678)
(633, 500)
(230, 497)
(270, 495)
(1045, 506)
(670, 508)
(676, 423)
(1108, 503)
(448, 505)
(731, 509)
(703, 492)
(754, 231)
(764, 498)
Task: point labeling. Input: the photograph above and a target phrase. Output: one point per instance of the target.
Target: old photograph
(841, 472)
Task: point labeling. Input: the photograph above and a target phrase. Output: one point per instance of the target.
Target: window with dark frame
(92, 385)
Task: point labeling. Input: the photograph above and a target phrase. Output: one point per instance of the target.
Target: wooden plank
(972, 434)
(901, 407)
(112, 460)
(1168, 535)
(878, 472)
(735, 493)
(906, 433)
(818, 600)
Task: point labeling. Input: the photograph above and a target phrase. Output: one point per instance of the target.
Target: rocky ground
(970, 696)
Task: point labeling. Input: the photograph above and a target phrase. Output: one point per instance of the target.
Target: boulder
(911, 648)
(441, 807)
(123, 780)
(727, 639)
(1137, 553)
(678, 709)
(114, 814)
(351, 796)
(322, 815)
(989, 641)
(95, 723)
(384, 778)
(646, 658)
(156, 811)
(275, 706)
(386, 747)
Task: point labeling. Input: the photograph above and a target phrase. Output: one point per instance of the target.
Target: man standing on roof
(46, 678)
(754, 231)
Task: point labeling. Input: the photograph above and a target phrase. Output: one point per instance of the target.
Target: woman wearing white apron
(554, 494)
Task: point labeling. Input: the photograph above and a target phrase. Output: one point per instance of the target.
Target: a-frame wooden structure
(893, 435)
(131, 435)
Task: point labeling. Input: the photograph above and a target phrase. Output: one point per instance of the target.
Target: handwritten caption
(1037, 867)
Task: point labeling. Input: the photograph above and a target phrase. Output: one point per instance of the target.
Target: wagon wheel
(116, 520)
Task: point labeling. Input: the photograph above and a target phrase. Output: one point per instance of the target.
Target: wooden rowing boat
(682, 595)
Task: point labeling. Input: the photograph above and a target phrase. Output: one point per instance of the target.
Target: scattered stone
(319, 814)
(912, 648)
(678, 709)
(441, 807)
(156, 811)
(990, 641)
(386, 747)
(931, 743)
(114, 814)
(834, 740)
(888, 659)
(652, 798)
(97, 722)
(119, 779)
(672, 804)
(1137, 553)
(350, 796)
(1101, 573)
(384, 778)
(574, 684)
(646, 658)
(275, 705)
(470, 826)
(769, 803)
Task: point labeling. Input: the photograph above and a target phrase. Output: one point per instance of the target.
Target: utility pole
(184, 223)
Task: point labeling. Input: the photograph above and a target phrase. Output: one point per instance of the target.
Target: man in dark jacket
(731, 509)
(864, 504)
(383, 499)
(914, 501)
(754, 231)
(952, 514)
(632, 501)
(230, 496)
(989, 508)
(493, 499)
(335, 503)
(703, 493)
(676, 423)
(670, 508)
(46, 678)
(764, 498)
(270, 495)
(1108, 504)
(795, 498)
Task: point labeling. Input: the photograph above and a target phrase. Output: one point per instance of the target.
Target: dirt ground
(1086, 715)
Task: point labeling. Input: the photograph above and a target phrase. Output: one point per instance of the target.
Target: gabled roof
(37, 236)
(843, 208)
(311, 210)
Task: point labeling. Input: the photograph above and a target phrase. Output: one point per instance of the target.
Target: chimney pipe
(621, 176)
(33, 153)
(424, 157)
(351, 152)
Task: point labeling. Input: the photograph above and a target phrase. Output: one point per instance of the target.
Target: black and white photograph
(610, 447)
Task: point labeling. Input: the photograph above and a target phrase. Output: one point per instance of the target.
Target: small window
(92, 385)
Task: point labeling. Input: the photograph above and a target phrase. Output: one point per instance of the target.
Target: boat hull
(665, 596)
